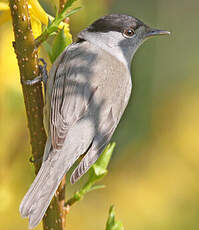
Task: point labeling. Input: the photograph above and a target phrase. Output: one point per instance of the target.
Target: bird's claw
(32, 82)
(42, 77)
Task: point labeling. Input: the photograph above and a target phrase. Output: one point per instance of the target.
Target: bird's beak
(154, 32)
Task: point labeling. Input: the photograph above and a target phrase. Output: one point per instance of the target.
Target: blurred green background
(154, 173)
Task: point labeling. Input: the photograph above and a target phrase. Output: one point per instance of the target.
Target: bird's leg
(44, 72)
(42, 77)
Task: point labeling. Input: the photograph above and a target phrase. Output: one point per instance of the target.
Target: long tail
(38, 197)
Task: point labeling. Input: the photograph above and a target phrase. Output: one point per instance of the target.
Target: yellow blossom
(3, 6)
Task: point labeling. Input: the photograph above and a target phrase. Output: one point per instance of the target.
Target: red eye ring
(128, 33)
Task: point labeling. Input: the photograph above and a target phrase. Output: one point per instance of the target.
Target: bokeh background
(154, 173)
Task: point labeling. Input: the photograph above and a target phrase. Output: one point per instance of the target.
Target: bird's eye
(128, 33)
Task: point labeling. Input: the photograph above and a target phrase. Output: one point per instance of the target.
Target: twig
(53, 27)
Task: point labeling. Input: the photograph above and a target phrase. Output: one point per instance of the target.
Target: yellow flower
(4, 13)
(3, 6)
(38, 17)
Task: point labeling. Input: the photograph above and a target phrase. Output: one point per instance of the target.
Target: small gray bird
(88, 89)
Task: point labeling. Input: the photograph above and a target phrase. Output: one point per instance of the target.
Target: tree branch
(27, 56)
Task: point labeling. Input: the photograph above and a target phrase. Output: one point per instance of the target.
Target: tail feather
(56, 164)
(28, 199)
(38, 197)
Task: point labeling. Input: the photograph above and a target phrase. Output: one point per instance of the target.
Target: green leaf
(68, 4)
(63, 13)
(96, 173)
(48, 49)
(59, 44)
(111, 223)
(53, 25)
(72, 12)
(105, 157)
(99, 169)
(96, 187)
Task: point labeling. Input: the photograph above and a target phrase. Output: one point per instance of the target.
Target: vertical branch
(27, 56)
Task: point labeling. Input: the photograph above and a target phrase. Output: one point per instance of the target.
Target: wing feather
(70, 98)
(102, 138)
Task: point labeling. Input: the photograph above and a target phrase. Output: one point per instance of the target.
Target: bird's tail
(38, 197)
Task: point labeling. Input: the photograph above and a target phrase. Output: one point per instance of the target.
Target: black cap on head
(115, 22)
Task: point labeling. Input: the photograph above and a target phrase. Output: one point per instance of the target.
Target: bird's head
(119, 34)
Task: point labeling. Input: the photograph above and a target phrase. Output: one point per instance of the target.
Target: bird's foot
(32, 82)
(42, 77)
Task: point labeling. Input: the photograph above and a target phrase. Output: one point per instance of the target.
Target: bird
(87, 91)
